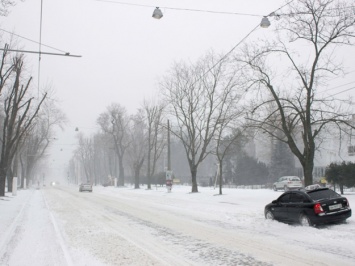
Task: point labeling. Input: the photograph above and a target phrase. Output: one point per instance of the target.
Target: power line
(182, 9)
(309, 13)
(25, 38)
(235, 46)
(340, 92)
(339, 86)
(281, 7)
(222, 12)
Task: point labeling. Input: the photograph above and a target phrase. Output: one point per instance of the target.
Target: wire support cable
(182, 9)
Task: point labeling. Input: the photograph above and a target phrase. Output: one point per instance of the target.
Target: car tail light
(318, 209)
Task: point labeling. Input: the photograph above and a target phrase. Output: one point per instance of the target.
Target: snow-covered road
(123, 226)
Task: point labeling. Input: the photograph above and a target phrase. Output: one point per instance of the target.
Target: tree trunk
(308, 172)
(2, 181)
(136, 177)
(149, 185)
(9, 177)
(137, 170)
(148, 170)
(220, 178)
(121, 172)
(193, 179)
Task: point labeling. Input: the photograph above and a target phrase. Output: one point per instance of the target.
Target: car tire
(275, 188)
(269, 215)
(304, 220)
(286, 188)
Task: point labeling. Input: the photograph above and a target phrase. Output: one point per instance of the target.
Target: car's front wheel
(269, 215)
(304, 220)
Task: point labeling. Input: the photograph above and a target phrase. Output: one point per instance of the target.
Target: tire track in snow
(152, 228)
(60, 239)
(13, 235)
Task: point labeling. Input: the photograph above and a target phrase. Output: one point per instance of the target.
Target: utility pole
(169, 176)
(169, 151)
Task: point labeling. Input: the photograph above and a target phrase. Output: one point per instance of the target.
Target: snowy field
(126, 226)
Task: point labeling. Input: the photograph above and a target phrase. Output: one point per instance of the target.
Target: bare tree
(5, 5)
(156, 144)
(19, 115)
(224, 144)
(39, 138)
(85, 153)
(115, 122)
(294, 105)
(137, 149)
(105, 159)
(199, 95)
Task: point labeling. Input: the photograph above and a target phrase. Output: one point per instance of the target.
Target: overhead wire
(339, 86)
(235, 46)
(30, 40)
(181, 9)
(349, 89)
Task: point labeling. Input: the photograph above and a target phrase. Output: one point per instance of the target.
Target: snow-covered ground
(126, 226)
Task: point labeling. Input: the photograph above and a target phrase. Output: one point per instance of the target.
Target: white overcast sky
(124, 50)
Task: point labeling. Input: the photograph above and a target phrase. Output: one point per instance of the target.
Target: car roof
(308, 191)
(317, 189)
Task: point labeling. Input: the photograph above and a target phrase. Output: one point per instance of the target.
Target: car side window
(285, 198)
(296, 198)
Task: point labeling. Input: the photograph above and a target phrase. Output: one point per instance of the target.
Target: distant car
(85, 187)
(313, 207)
(107, 184)
(287, 183)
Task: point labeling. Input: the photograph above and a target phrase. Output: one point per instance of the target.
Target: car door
(279, 183)
(295, 206)
(280, 207)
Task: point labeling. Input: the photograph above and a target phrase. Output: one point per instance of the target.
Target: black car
(313, 207)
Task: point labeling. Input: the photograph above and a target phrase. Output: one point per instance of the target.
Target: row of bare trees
(27, 122)
(273, 87)
(203, 107)
(125, 141)
(205, 98)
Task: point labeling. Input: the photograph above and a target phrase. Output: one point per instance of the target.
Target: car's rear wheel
(285, 188)
(269, 215)
(304, 220)
(275, 188)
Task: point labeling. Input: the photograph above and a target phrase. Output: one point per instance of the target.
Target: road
(134, 229)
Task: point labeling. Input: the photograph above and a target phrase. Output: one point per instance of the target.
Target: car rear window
(295, 179)
(323, 194)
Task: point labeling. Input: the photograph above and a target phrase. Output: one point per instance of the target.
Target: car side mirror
(274, 202)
